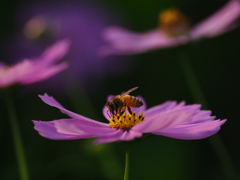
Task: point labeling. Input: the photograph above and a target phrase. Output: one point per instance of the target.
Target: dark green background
(216, 63)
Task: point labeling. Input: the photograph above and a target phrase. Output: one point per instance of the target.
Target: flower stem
(17, 141)
(126, 170)
(215, 140)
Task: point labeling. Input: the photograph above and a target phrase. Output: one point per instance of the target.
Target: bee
(120, 103)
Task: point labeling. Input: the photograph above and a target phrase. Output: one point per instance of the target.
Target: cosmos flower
(44, 22)
(174, 30)
(33, 70)
(169, 119)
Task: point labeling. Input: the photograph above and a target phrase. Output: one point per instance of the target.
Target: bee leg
(122, 110)
(121, 113)
(108, 113)
(129, 110)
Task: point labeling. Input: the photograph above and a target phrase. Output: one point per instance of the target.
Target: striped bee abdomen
(132, 101)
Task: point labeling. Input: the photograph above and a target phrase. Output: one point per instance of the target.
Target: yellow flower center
(125, 121)
(35, 27)
(173, 23)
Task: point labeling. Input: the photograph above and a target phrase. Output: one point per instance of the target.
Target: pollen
(173, 23)
(125, 121)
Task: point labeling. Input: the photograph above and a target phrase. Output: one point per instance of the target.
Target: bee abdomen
(132, 101)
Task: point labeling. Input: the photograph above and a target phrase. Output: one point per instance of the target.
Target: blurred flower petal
(219, 22)
(31, 71)
(121, 41)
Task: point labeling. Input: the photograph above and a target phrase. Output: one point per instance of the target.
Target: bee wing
(130, 90)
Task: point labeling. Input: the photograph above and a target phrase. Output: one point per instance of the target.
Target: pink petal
(54, 53)
(98, 130)
(168, 105)
(52, 102)
(45, 66)
(72, 128)
(119, 136)
(30, 71)
(14, 74)
(202, 116)
(164, 120)
(122, 41)
(219, 22)
(35, 76)
(59, 130)
(192, 131)
(106, 113)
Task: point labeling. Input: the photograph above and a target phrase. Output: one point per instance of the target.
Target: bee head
(110, 106)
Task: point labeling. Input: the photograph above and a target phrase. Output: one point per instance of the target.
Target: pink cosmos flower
(31, 71)
(121, 41)
(42, 22)
(169, 119)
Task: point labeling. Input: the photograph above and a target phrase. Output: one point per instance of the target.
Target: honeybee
(120, 103)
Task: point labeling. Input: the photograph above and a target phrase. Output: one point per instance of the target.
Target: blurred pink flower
(40, 23)
(121, 41)
(169, 119)
(31, 71)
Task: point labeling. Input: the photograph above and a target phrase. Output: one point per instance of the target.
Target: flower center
(173, 23)
(37, 27)
(125, 121)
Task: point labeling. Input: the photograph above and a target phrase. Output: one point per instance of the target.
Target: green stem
(215, 140)
(17, 141)
(126, 171)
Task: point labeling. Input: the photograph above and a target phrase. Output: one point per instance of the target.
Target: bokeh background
(90, 79)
